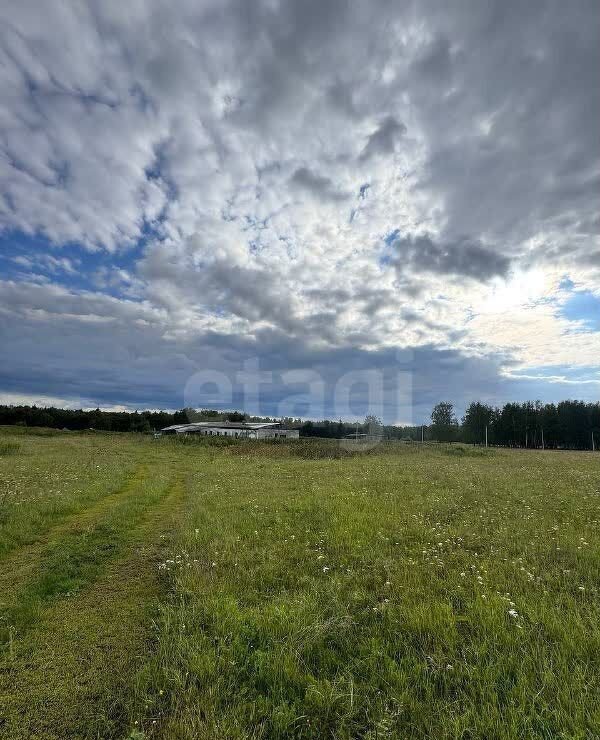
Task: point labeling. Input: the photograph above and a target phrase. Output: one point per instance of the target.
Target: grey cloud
(318, 185)
(383, 140)
(246, 292)
(53, 301)
(138, 364)
(526, 74)
(130, 120)
(514, 128)
(462, 257)
(434, 63)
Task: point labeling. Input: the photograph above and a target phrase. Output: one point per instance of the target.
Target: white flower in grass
(513, 613)
(325, 569)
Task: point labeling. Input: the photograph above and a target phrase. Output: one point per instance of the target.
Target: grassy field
(155, 589)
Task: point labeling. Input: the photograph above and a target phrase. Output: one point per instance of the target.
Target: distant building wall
(224, 432)
(258, 431)
(273, 433)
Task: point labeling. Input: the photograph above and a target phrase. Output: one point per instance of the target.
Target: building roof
(220, 425)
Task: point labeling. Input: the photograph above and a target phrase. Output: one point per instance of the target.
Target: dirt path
(72, 676)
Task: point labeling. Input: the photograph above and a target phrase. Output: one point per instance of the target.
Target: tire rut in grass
(73, 675)
(77, 556)
(19, 565)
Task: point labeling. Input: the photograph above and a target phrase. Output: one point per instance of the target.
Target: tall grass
(306, 448)
(9, 448)
(298, 589)
(405, 593)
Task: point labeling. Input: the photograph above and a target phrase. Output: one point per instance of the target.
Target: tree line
(566, 425)
(148, 421)
(118, 421)
(572, 425)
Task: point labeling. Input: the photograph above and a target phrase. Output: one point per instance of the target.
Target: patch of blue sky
(566, 284)
(386, 254)
(24, 257)
(390, 238)
(583, 306)
(560, 373)
(549, 384)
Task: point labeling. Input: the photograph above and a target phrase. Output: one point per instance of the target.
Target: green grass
(9, 448)
(299, 590)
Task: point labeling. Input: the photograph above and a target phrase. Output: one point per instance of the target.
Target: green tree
(477, 418)
(236, 416)
(444, 426)
(373, 425)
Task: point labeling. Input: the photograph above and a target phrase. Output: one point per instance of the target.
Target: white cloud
(269, 149)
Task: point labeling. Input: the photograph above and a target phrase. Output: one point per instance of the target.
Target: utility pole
(486, 436)
(422, 433)
(593, 443)
(543, 438)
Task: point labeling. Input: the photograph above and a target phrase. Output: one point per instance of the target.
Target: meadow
(202, 590)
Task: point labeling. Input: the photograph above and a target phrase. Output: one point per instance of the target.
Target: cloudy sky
(310, 187)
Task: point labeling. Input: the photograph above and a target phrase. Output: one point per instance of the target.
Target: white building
(248, 430)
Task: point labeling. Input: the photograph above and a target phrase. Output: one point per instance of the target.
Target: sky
(315, 207)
